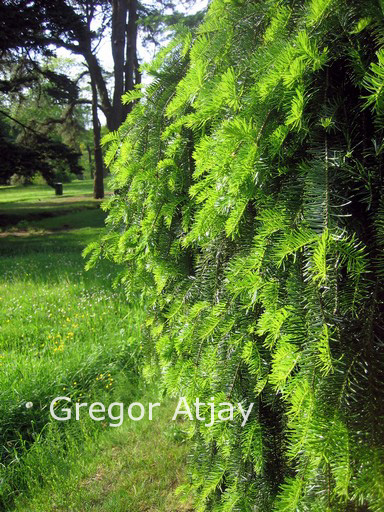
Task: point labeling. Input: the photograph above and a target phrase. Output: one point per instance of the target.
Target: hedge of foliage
(249, 216)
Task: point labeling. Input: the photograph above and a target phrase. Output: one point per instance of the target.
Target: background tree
(40, 120)
(79, 27)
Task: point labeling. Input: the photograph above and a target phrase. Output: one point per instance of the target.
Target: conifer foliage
(249, 219)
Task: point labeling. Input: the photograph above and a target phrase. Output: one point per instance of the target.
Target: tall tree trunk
(98, 80)
(90, 159)
(98, 184)
(137, 71)
(124, 53)
(132, 74)
(119, 18)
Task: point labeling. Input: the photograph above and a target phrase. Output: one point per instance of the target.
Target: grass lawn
(26, 205)
(33, 194)
(67, 332)
(136, 467)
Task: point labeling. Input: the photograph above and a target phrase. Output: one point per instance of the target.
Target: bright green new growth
(249, 218)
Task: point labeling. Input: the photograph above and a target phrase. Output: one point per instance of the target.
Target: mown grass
(67, 332)
(26, 205)
(34, 194)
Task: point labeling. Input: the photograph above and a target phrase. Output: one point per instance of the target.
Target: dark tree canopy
(27, 28)
(34, 30)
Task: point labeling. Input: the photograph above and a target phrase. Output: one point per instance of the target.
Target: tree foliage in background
(45, 119)
(26, 145)
(250, 221)
(32, 30)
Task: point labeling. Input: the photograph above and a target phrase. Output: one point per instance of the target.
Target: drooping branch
(5, 114)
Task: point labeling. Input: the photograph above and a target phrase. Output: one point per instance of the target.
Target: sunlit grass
(24, 206)
(61, 328)
(36, 193)
(67, 332)
(136, 467)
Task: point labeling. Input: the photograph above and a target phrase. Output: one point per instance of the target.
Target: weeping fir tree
(249, 220)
